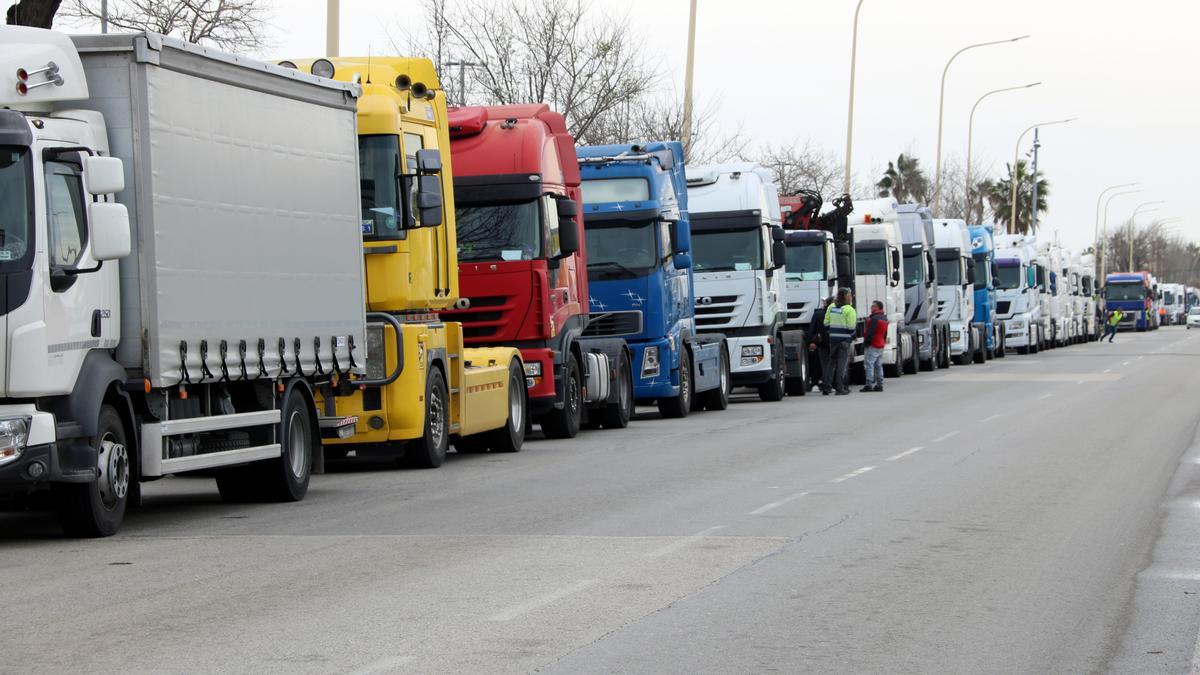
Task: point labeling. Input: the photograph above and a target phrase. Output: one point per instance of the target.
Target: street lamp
(850, 111)
(937, 174)
(462, 76)
(971, 133)
(332, 17)
(1096, 231)
(1104, 237)
(686, 136)
(1132, 220)
(1012, 221)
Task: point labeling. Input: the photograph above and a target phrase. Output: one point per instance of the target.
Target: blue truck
(983, 254)
(1133, 294)
(638, 242)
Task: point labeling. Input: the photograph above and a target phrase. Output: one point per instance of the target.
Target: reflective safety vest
(1115, 317)
(842, 322)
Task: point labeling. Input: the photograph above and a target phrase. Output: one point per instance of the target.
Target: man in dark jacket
(818, 346)
(874, 339)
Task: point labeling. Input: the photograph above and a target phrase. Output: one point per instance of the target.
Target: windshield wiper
(613, 264)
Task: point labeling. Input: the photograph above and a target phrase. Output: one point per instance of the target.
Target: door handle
(96, 316)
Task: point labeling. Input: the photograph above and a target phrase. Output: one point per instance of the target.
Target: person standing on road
(1110, 328)
(819, 345)
(874, 338)
(842, 323)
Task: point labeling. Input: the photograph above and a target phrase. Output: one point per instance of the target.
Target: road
(1034, 514)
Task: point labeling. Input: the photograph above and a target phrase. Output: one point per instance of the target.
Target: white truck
(1049, 267)
(1017, 304)
(201, 340)
(1088, 292)
(879, 273)
(931, 335)
(956, 288)
(738, 257)
(1174, 304)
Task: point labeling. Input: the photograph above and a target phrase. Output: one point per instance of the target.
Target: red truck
(522, 266)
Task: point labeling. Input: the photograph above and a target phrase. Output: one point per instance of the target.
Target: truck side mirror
(777, 234)
(845, 265)
(108, 224)
(832, 270)
(970, 271)
(429, 161)
(429, 200)
(103, 175)
(568, 228)
(681, 239)
(682, 261)
(895, 266)
(778, 254)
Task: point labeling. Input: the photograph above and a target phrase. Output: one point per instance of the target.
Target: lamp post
(850, 110)
(937, 174)
(1132, 220)
(1012, 221)
(1096, 232)
(462, 76)
(971, 134)
(686, 136)
(1104, 237)
(332, 30)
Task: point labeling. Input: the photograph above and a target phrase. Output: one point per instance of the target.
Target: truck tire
(798, 386)
(617, 415)
(511, 436)
(1001, 345)
(718, 399)
(775, 390)
(286, 479)
(96, 509)
(979, 354)
(679, 406)
(912, 363)
(565, 423)
(897, 368)
(946, 355)
(429, 451)
(968, 353)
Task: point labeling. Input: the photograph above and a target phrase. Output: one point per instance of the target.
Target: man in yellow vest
(1110, 328)
(843, 324)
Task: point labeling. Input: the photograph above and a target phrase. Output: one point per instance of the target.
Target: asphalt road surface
(1034, 514)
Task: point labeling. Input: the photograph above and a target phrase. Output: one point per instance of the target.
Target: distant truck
(931, 334)
(1174, 304)
(1091, 325)
(1017, 306)
(738, 256)
(640, 275)
(1131, 293)
(522, 267)
(879, 275)
(983, 251)
(203, 339)
(956, 293)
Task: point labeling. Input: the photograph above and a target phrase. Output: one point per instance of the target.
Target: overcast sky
(778, 70)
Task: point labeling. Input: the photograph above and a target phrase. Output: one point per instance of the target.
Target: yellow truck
(422, 390)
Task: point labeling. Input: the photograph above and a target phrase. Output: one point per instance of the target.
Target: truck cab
(1017, 306)
(640, 274)
(1091, 324)
(956, 295)
(931, 334)
(983, 252)
(1173, 304)
(1131, 293)
(1056, 309)
(738, 256)
(879, 275)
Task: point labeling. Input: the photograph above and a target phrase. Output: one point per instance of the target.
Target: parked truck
(1055, 295)
(879, 275)
(1017, 307)
(983, 251)
(1090, 314)
(956, 293)
(640, 274)
(738, 256)
(153, 327)
(523, 267)
(930, 334)
(429, 389)
(1131, 293)
(1173, 302)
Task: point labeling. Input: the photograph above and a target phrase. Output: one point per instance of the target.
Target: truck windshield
(620, 249)
(379, 169)
(1125, 291)
(499, 231)
(870, 259)
(16, 215)
(602, 190)
(1168, 298)
(1008, 277)
(727, 250)
(914, 270)
(805, 262)
(981, 270)
(947, 272)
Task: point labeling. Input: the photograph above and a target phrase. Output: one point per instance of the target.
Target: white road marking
(774, 505)
(547, 599)
(387, 664)
(1125, 363)
(1108, 370)
(1140, 358)
(943, 437)
(906, 453)
(682, 543)
(1079, 381)
(991, 417)
(852, 474)
(1043, 397)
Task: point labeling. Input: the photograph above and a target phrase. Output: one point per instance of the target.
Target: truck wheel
(1002, 345)
(897, 368)
(616, 415)
(429, 451)
(798, 386)
(565, 423)
(511, 436)
(775, 389)
(911, 365)
(718, 399)
(979, 354)
(679, 406)
(96, 509)
(286, 479)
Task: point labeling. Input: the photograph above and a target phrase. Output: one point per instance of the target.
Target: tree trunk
(36, 13)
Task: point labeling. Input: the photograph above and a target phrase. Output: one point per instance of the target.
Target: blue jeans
(1110, 332)
(839, 353)
(873, 360)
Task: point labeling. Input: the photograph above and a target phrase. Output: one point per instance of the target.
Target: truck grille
(795, 310)
(718, 312)
(1002, 306)
(484, 318)
(614, 324)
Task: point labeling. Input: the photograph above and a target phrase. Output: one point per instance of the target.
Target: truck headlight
(752, 350)
(533, 368)
(650, 365)
(14, 432)
(956, 337)
(1017, 324)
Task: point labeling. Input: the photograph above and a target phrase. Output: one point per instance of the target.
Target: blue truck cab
(1131, 293)
(638, 239)
(983, 253)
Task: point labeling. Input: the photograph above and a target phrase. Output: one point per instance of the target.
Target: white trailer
(200, 338)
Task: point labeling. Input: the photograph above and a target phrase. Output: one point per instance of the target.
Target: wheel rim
(685, 381)
(573, 391)
(626, 391)
(437, 412)
(114, 471)
(724, 375)
(297, 443)
(516, 411)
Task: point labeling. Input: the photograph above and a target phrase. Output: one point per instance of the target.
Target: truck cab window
(499, 231)
(67, 224)
(550, 218)
(914, 270)
(16, 192)
(805, 262)
(378, 168)
(412, 143)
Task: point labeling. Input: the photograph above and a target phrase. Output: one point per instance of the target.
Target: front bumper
(960, 338)
(1016, 332)
(748, 370)
(652, 386)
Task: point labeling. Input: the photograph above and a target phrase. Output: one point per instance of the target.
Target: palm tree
(904, 181)
(999, 197)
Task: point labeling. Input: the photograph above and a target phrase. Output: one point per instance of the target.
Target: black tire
(1022, 350)
(1002, 346)
(897, 368)
(799, 386)
(718, 399)
(511, 436)
(912, 363)
(617, 415)
(565, 423)
(776, 389)
(946, 355)
(429, 451)
(96, 509)
(679, 406)
(286, 479)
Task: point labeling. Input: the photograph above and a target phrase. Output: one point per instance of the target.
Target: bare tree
(803, 166)
(35, 13)
(956, 202)
(1166, 255)
(232, 25)
(660, 118)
